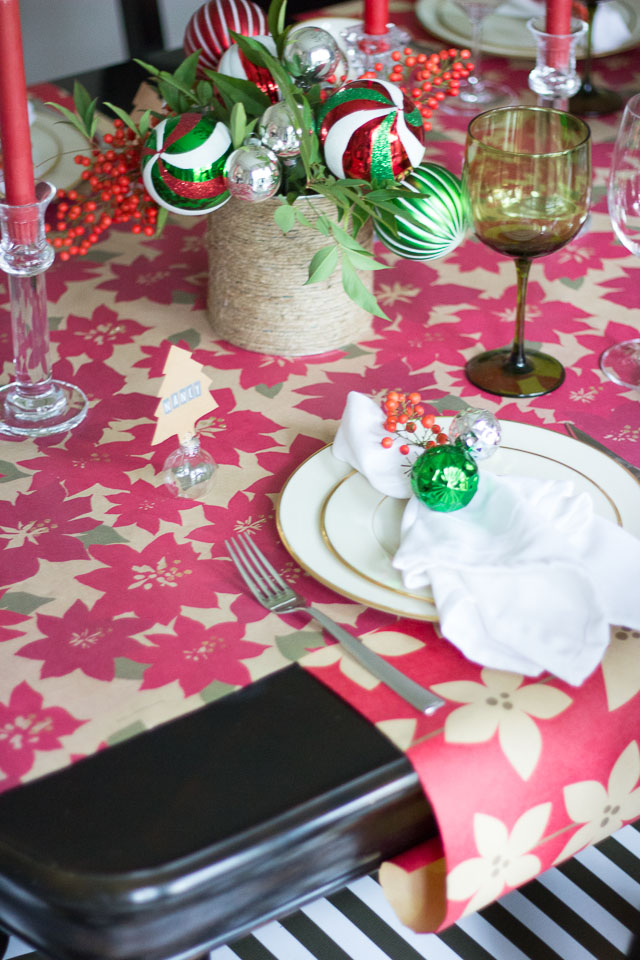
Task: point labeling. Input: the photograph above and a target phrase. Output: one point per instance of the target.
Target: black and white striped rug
(586, 909)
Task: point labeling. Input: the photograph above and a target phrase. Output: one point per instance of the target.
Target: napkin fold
(610, 29)
(526, 578)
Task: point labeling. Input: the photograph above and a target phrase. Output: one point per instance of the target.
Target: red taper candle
(559, 17)
(376, 15)
(14, 115)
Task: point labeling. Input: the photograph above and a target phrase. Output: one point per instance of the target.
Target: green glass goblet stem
(591, 101)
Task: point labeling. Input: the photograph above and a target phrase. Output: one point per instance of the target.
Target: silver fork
(272, 592)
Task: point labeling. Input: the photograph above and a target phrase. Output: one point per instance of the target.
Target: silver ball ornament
(311, 55)
(279, 132)
(253, 173)
(478, 431)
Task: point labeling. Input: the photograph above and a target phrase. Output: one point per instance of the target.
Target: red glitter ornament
(370, 130)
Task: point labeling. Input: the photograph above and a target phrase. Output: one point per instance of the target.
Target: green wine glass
(527, 188)
(592, 101)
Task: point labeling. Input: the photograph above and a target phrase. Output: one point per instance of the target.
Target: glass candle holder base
(364, 50)
(495, 372)
(475, 98)
(621, 363)
(56, 409)
(189, 470)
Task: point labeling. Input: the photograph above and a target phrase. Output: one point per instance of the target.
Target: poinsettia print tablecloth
(119, 608)
(520, 772)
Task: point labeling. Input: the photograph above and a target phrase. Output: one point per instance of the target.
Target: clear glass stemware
(621, 362)
(476, 93)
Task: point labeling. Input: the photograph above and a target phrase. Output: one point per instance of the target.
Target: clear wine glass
(477, 94)
(527, 187)
(621, 362)
(591, 101)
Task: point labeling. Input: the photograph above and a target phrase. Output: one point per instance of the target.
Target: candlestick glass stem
(591, 101)
(34, 404)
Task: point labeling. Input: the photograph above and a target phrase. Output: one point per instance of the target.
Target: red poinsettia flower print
(262, 369)
(142, 506)
(196, 656)
(41, 525)
(83, 640)
(95, 336)
(156, 280)
(84, 462)
(227, 431)
(146, 582)
(8, 623)
(26, 726)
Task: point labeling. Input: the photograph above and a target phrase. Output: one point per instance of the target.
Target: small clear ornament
(189, 471)
(311, 55)
(279, 132)
(478, 431)
(253, 173)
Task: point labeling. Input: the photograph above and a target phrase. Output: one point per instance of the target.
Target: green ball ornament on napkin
(445, 477)
(438, 223)
(183, 161)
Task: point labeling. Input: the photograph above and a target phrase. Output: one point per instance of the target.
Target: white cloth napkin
(525, 578)
(610, 29)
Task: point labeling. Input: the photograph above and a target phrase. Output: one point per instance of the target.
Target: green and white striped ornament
(438, 208)
(183, 162)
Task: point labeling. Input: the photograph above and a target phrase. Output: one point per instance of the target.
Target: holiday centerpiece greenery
(377, 176)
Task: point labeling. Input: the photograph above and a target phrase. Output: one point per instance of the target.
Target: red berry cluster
(403, 414)
(113, 176)
(427, 79)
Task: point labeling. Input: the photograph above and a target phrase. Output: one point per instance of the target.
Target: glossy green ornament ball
(437, 206)
(445, 478)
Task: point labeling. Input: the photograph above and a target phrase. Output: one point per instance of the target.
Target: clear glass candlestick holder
(34, 404)
(554, 77)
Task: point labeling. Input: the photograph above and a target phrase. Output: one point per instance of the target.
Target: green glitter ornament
(444, 478)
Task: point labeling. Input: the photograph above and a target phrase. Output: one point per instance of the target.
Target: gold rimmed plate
(344, 533)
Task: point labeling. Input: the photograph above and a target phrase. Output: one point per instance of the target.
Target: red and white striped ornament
(209, 28)
(370, 130)
(233, 63)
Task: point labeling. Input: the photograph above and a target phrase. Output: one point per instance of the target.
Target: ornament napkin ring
(445, 476)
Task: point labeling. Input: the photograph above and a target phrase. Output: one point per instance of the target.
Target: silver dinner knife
(578, 434)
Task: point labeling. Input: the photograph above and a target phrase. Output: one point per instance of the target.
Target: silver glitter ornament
(478, 431)
(311, 55)
(279, 132)
(253, 173)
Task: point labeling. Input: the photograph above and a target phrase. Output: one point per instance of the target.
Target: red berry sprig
(116, 195)
(403, 414)
(427, 79)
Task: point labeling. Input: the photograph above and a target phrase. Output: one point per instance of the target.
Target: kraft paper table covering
(119, 607)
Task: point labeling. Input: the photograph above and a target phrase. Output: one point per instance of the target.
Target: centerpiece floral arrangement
(258, 109)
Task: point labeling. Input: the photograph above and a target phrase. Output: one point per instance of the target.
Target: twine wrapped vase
(257, 298)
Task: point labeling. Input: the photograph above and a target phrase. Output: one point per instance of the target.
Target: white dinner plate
(507, 36)
(344, 533)
(54, 145)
